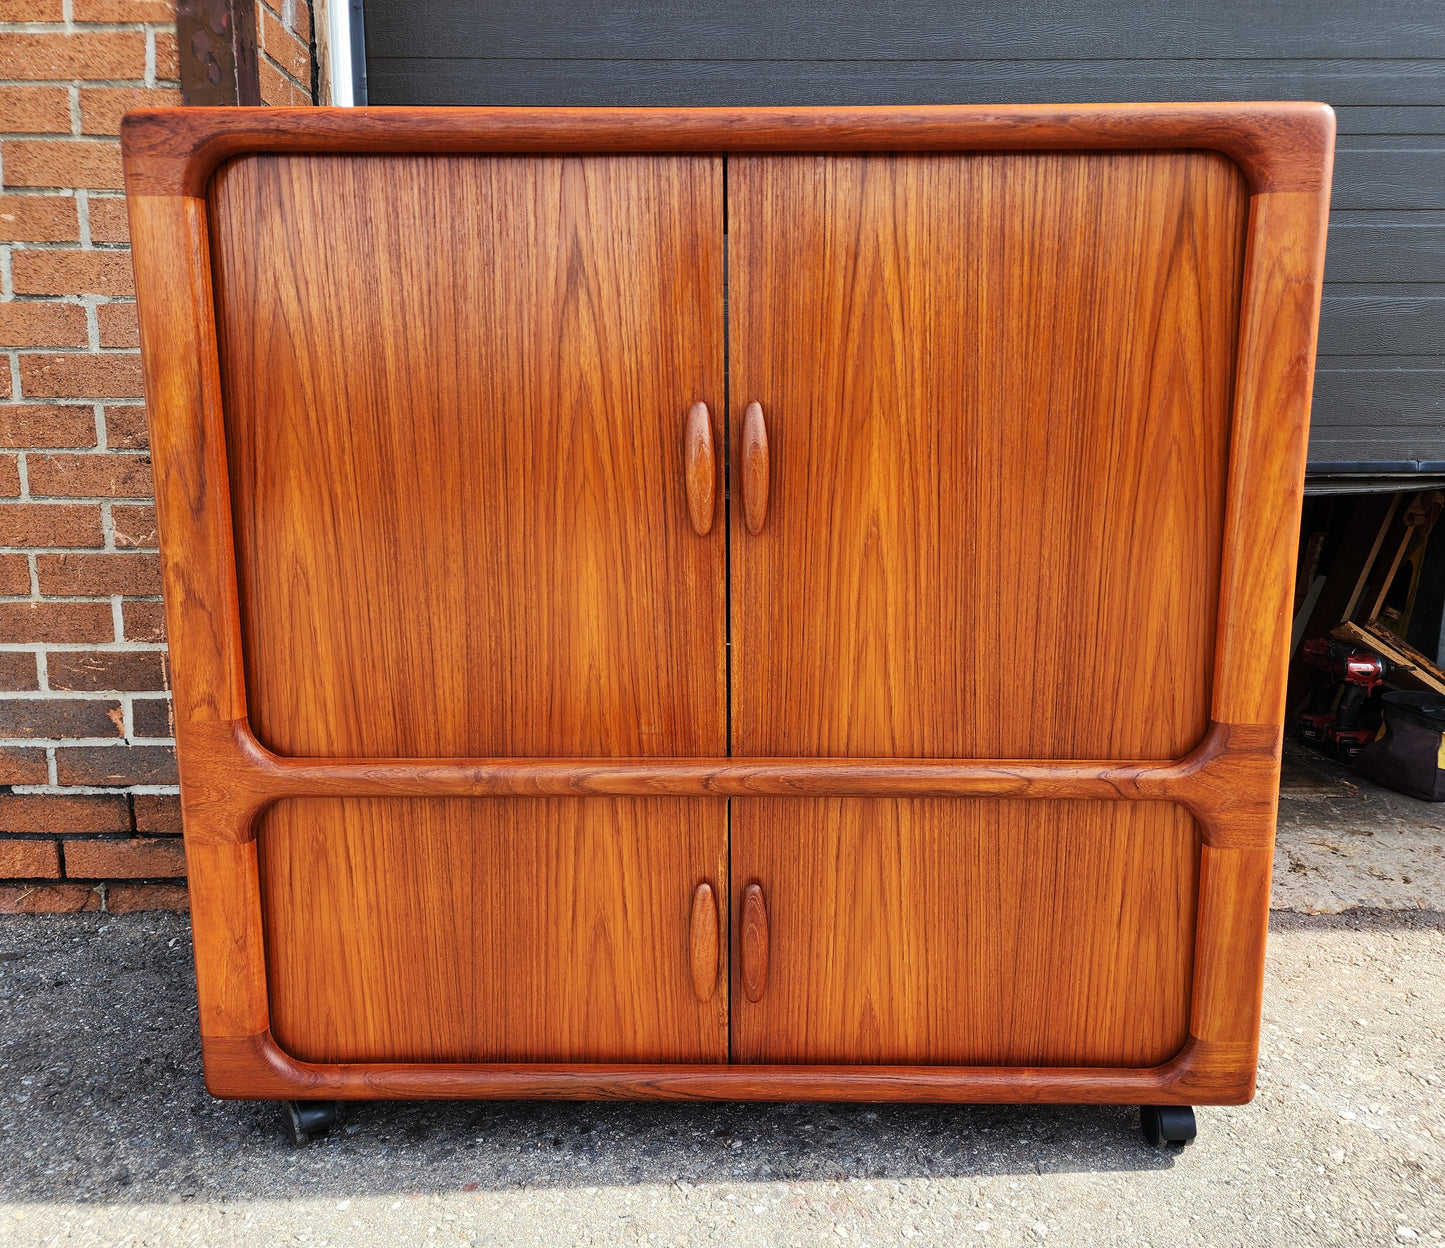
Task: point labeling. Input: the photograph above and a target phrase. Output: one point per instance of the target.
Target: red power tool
(1339, 716)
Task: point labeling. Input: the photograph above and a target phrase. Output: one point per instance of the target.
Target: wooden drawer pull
(756, 467)
(754, 942)
(700, 468)
(704, 942)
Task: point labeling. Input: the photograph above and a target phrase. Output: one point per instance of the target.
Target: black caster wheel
(304, 1119)
(1167, 1124)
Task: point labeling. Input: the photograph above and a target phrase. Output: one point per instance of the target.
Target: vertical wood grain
(997, 390)
(968, 932)
(456, 394)
(1271, 435)
(495, 930)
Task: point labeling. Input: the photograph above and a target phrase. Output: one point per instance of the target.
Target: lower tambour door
(493, 930)
(963, 932)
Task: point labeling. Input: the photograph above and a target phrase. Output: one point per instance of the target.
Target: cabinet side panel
(456, 391)
(968, 932)
(997, 390)
(428, 930)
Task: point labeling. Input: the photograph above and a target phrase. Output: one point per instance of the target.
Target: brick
(289, 53)
(118, 326)
(136, 858)
(22, 766)
(275, 86)
(99, 671)
(143, 621)
(124, 10)
(126, 428)
(17, 672)
(73, 273)
(49, 899)
(31, 11)
(62, 162)
(108, 220)
(26, 324)
(151, 718)
(128, 898)
(39, 218)
(9, 477)
(22, 622)
(302, 24)
(50, 524)
(168, 57)
(134, 526)
(14, 574)
(158, 813)
(116, 766)
(97, 575)
(92, 54)
(34, 110)
(101, 108)
(81, 375)
(29, 860)
(65, 813)
(38, 424)
(90, 476)
(50, 719)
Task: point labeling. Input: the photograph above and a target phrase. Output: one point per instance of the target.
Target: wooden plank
(968, 933)
(1383, 325)
(631, 82)
(497, 930)
(1376, 637)
(1390, 174)
(1379, 247)
(463, 385)
(862, 30)
(953, 425)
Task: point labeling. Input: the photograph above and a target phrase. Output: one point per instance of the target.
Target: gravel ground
(108, 1137)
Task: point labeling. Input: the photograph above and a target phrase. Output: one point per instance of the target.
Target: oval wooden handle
(754, 942)
(756, 467)
(699, 468)
(704, 942)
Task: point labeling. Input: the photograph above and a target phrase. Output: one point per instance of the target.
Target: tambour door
(962, 931)
(995, 390)
(496, 930)
(456, 390)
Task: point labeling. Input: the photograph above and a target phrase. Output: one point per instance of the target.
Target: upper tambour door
(455, 390)
(997, 391)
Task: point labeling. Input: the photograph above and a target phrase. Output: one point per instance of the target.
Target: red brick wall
(89, 817)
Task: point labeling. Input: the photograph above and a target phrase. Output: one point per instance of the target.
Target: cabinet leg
(1167, 1124)
(304, 1119)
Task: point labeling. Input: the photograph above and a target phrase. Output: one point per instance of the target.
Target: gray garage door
(1380, 391)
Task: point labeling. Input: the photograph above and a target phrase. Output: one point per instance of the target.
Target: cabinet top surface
(1279, 146)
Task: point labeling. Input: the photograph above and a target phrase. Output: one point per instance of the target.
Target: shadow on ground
(101, 1100)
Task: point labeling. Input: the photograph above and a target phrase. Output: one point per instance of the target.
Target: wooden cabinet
(756, 603)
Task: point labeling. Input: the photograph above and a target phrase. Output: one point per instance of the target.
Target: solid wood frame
(1229, 782)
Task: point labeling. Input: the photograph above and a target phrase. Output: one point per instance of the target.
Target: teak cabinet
(730, 603)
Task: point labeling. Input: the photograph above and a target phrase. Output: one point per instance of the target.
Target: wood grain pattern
(998, 393)
(755, 468)
(969, 932)
(427, 930)
(704, 945)
(1279, 146)
(700, 468)
(460, 384)
(753, 942)
(1270, 436)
